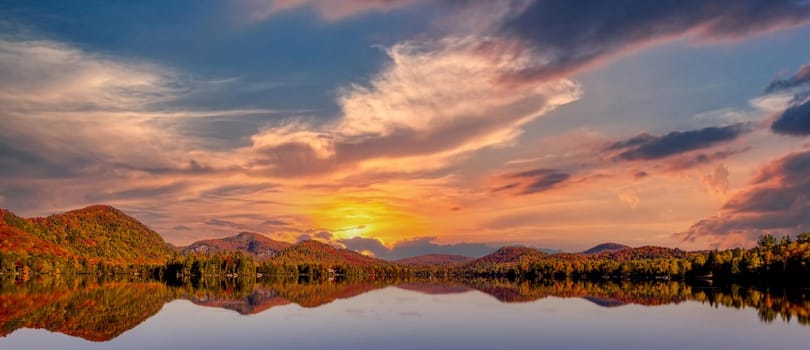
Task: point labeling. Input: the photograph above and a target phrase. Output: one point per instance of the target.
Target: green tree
(766, 241)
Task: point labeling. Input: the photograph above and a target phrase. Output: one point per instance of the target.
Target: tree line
(782, 261)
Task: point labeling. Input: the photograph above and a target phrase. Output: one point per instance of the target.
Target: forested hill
(257, 245)
(314, 252)
(434, 259)
(93, 233)
(606, 248)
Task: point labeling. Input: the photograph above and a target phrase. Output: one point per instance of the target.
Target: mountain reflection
(102, 309)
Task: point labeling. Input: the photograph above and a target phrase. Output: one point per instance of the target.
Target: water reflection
(102, 309)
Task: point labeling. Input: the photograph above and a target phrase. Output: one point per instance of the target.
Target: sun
(347, 218)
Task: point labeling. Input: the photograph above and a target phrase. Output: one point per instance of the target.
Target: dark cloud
(140, 192)
(649, 147)
(226, 223)
(640, 174)
(24, 158)
(325, 235)
(276, 223)
(532, 181)
(27, 199)
(239, 189)
(573, 34)
(181, 228)
(794, 121)
(373, 245)
(777, 201)
(801, 77)
(691, 161)
(415, 247)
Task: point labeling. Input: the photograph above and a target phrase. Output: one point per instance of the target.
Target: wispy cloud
(435, 102)
(330, 10)
(532, 181)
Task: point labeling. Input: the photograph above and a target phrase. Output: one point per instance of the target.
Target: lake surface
(412, 314)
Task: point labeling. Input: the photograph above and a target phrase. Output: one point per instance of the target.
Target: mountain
(255, 244)
(605, 247)
(314, 252)
(507, 255)
(434, 259)
(95, 232)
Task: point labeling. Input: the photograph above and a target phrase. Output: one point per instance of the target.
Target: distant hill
(255, 244)
(434, 259)
(507, 255)
(646, 252)
(95, 232)
(605, 247)
(315, 252)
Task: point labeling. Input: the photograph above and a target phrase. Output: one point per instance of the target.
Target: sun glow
(347, 218)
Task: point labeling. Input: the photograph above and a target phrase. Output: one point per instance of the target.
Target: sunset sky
(400, 127)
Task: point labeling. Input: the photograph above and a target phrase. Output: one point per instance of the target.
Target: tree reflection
(101, 309)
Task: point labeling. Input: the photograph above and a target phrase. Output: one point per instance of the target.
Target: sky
(402, 127)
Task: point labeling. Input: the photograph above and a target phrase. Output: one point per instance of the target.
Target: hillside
(434, 259)
(255, 244)
(96, 232)
(314, 252)
(605, 247)
(642, 253)
(506, 256)
(13, 239)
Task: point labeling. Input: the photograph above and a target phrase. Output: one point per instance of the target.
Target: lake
(68, 313)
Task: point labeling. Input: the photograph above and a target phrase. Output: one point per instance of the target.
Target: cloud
(532, 181)
(151, 192)
(717, 180)
(649, 147)
(240, 189)
(330, 10)
(630, 199)
(113, 108)
(789, 99)
(435, 102)
(324, 235)
(571, 35)
(801, 77)
(776, 201)
(53, 77)
(698, 159)
(793, 121)
(226, 223)
(276, 223)
(414, 247)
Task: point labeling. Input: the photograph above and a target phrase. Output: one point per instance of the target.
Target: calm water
(471, 314)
